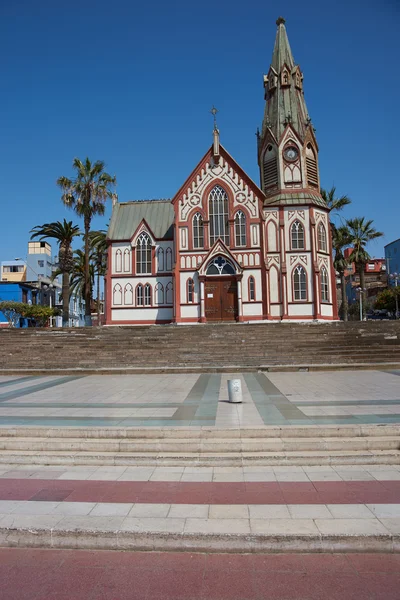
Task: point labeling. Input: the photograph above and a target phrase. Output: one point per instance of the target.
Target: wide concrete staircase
(312, 445)
(200, 348)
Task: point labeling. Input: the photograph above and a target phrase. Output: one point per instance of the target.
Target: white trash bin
(235, 390)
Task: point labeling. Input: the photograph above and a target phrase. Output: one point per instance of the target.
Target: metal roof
(127, 216)
(297, 198)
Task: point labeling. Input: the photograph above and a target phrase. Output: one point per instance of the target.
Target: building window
(143, 254)
(324, 285)
(218, 211)
(240, 229)
(40, 263)
(117, 295)
(322, 238)
(139, 295)
(118, 261)
(297, 236)
(128, 294)
(300, 283)
(168, 293)
(147, 294)
(168, 259)
(159, 293)
(198, 231)
(252, 289)
(160, 259)
(220, 266)
(127, 260)
(190, 291)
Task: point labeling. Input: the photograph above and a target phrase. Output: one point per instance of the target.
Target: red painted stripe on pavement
(110, 575)
(317, 492)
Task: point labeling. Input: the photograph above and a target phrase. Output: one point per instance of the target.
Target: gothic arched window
(218, 211)
(252, 289)
(168, 259)
(117, 295)
(299, 283)
(160, 259)
(324, 285)
(240, 229)
(118, 261)
(159, 293)
(147, 294)
(297, 236)
(198, 231)
(128, 294)
(143, 254)
(127, 261)
(322, 238)
(270, 168)
(220, 266)
(168, 293)
(190, 290)
(139, 295)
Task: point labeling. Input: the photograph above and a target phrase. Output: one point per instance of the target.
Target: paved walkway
(230, 509)
(301, 398)
(84, 575)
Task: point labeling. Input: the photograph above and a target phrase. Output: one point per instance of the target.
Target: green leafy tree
(64, 232)
(387, 299)
(12, 311)
(340, 241)
(87, 194)
(39, 315)
(361, 233)
(98, 251)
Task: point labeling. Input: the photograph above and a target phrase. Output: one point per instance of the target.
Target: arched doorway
(221, 297)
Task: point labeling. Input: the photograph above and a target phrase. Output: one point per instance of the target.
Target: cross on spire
(214, 111)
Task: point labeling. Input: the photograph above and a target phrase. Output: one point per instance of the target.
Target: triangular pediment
(143, 227)
(224, 171)
(219, 249)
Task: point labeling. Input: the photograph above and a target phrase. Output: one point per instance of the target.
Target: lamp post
(50, 288)
(395, 278)
(361, 291)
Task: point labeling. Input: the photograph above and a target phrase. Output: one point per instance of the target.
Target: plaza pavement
(320, 508)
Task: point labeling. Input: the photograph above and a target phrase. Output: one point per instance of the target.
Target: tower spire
(284, 89)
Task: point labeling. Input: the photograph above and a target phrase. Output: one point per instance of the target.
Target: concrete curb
(381, 366)
(90, 539)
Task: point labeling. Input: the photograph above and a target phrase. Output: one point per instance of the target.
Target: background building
(392, 258)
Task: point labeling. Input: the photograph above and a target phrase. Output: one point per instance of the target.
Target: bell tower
(287, 147)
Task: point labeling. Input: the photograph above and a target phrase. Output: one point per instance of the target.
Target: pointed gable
(240, 188)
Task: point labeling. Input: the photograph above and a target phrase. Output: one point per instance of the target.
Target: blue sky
(132, 83)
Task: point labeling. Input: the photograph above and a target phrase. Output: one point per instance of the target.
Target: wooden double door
(221, 303)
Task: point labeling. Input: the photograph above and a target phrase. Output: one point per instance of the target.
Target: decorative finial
(214, 111)
(280, 21)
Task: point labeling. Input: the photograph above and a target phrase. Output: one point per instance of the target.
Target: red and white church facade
(225, 249)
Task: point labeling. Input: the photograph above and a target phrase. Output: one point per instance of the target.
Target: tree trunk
(345, 304)
(65, 299)
(361, 271)
(88, 317)
(98, 297)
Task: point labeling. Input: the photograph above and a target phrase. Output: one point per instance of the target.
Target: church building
(225, 248)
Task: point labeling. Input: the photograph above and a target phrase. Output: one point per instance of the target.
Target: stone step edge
(224, 446)
(91, 539)
(306, 458)
(378, 430)
(204, 369)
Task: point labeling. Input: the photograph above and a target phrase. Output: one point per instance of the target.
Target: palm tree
(361, 232)
(87, 194)
(98, 249)
(64, 233)
(333, 203)
(78, 277)
(340, 240)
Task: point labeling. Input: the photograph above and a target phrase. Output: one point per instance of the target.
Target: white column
(202, 304)
(239, 295)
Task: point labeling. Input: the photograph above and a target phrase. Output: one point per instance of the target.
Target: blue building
(39, 264)
(18, 292)
(392, 257)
